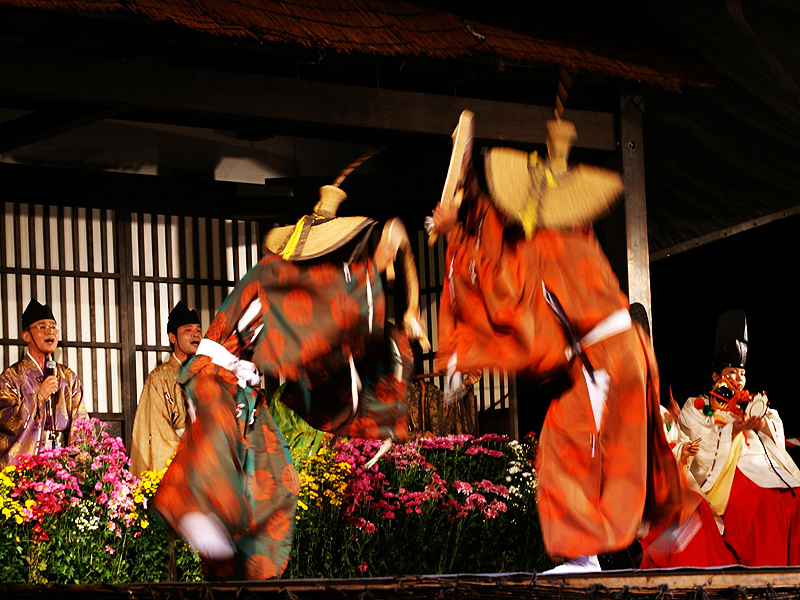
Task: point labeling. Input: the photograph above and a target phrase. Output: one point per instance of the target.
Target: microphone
(50, 369)
(49, 366)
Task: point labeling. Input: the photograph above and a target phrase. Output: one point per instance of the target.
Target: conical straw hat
(319, 233)
(539, 194)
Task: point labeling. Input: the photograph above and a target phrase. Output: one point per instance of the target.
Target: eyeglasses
(46, 328)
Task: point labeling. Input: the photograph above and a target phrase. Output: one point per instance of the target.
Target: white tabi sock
(580, 564)
(207, 535)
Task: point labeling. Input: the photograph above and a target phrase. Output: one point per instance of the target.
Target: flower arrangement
(77, 515)
(452, 504)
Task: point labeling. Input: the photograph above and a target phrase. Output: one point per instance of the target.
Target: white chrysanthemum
(87, 518)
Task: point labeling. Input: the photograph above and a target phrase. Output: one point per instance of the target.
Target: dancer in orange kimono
(312, 311)
(529, 289)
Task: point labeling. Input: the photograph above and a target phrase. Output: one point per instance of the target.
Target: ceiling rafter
(198, 94)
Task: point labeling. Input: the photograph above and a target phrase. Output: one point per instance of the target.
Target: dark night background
(755, 271)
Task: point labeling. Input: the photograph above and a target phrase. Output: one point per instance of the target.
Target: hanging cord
(356, 254)
(569, 332)
(562, 91)
(355, 164)
(774, 470)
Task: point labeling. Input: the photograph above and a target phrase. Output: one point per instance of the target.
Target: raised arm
(394, 238)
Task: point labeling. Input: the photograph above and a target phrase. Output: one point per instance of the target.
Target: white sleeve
(776, 427)
(714, 445)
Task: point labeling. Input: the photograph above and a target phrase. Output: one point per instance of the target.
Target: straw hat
(545, 194)
(319, 233)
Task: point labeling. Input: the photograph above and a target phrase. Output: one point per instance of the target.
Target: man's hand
(444, 218)
(748, 423)
(49, 386)
(691, 448)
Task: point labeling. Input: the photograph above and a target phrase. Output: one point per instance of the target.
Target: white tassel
(381, 451)
(253, 310)
(453, 382)
(371, 308)
(355, 383)
(398, 361)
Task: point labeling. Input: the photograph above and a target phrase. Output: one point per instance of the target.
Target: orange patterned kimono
(315, 325)
(595, 486)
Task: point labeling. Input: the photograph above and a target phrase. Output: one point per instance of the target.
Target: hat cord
(360, 246)
(290, 244)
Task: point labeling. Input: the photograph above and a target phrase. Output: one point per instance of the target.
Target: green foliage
(187, 561)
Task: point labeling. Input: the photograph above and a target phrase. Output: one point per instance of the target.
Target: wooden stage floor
(667, 584)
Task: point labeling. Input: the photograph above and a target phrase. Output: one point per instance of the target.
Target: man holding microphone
(40, 400)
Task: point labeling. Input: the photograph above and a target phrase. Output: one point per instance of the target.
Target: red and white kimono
(751, 481)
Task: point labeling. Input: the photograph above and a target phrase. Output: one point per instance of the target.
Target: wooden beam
(45, 124)
(709, 579)
(723, 233)
(163, 88)
(631, 139)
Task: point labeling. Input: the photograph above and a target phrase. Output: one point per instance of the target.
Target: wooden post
(631, 110)
(513, 412)
(126, 321)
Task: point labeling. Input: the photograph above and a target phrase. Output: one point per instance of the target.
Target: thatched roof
(583, 38)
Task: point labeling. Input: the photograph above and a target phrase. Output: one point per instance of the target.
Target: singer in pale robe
(38, 411)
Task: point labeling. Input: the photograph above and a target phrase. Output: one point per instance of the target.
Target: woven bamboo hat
(542, 194)
(322, 232)
(319, 233)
